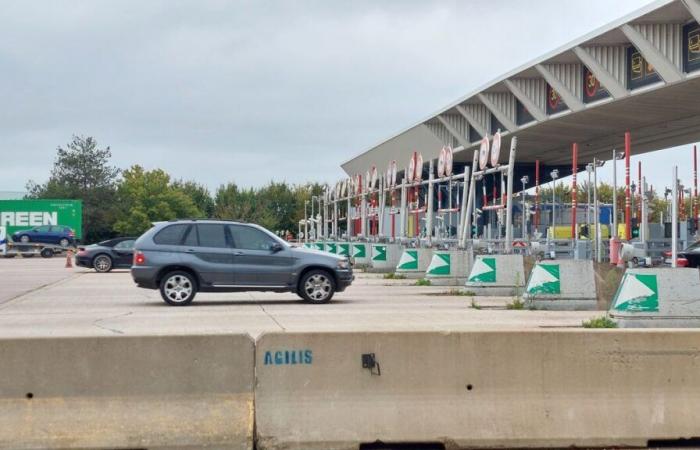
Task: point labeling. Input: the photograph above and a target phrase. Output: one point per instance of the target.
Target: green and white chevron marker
(332, 247)
(439, 264)
(307, 245)
(484, 271)
(379, 253)
(544, 279)
(344, 249)
(320, 246)
(408, 261)
(359, 250)
(637, 293)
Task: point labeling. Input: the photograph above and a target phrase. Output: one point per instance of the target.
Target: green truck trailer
(18, 215)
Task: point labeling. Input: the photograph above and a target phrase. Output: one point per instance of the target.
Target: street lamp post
(554, 174)
(306, 222)
(596, 210)
(616, 155)
(524, 181)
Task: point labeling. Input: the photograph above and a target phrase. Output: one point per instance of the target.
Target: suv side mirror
(276, 247)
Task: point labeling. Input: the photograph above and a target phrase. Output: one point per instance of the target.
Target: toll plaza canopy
(640, 74)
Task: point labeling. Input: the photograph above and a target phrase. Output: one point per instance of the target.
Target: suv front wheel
(178, 288)
(317, 286)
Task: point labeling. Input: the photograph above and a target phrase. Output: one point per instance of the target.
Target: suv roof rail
(194, 219)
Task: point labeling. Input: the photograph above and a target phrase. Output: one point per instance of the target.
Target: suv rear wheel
(178, 288)
(317, 286)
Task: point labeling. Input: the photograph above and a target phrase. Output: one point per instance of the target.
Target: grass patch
(516, 304)
(599, 322)
(423, 282)
(394, 276)
(475, 305)
(460, 293)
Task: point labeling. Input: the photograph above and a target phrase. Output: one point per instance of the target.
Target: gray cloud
(250, 91)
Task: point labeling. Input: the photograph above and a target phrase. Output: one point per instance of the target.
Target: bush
(423, 282)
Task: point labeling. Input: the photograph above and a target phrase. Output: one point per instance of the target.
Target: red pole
(574, 167)
(628, 200)
(537, 193)
(639, 193)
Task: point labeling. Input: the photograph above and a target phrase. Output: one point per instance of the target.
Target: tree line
(127, 201)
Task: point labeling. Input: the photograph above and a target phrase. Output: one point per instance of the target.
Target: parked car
(107, 255)
(183, 257)
(46, 234)
(690, 257)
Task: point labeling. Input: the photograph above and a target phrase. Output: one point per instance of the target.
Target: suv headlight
(343, 264)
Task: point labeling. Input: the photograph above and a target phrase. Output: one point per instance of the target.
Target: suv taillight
(139, 258)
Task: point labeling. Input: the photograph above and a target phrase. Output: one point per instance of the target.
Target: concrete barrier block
(414, 262)
(385, 257)
(448, 267)
(488, 389)
(497, 275)
(565, 284)
(127, 392)
(658, 297)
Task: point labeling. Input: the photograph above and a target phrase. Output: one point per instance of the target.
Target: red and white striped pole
(574, 169)
(628, 200)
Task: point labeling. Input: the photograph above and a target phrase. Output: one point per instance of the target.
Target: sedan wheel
(64, 242)
(24, 239)
(317, 287)
(102, 264)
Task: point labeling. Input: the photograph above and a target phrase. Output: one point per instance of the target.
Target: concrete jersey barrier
(385, 257)
(658, 297)
(565, 284)
(414, 262)
(497, 275)
(448, 267)
(127, 392)
(505, 389)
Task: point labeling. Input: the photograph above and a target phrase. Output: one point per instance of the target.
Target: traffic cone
(69, 258)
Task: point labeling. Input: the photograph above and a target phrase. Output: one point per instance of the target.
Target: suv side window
(249, 238)
(170, 235)
(212, 235)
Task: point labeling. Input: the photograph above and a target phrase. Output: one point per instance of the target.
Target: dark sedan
(691, 254)
(115, 253)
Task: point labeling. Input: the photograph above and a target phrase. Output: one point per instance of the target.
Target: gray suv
(183, 257)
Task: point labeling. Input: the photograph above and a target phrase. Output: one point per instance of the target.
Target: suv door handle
(238, 253)
(190, 250)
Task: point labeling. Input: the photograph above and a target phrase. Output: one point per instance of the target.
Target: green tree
(199, 194)
(149, 196)
(82, 171)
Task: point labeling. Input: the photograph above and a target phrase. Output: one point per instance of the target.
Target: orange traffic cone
(69, 258)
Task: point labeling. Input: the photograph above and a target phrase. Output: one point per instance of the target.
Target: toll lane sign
(544, 279)
(440, 264)
(409, 260)
(637, 293)
(484, 271)
(379, 253)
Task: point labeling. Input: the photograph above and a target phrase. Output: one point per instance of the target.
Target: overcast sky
(250, 91)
